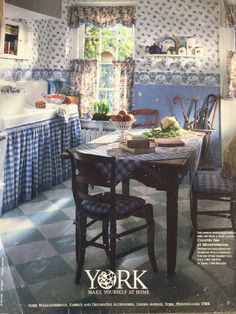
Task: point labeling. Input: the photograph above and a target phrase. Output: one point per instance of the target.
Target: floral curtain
(123, 79)
(230, 13)
(84, 79)
(101, 16)
(231, 75)
(1, 13)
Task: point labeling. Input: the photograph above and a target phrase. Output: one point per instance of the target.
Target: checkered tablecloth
(33, 158)
(126, 163)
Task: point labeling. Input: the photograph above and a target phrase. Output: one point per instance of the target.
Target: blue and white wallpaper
(157, 80)
(170, 18)
(154, 19)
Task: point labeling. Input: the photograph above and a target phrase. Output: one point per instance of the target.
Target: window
(106, 45)
(119, 40)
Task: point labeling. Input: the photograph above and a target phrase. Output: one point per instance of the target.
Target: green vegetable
(101, 106)
(159, 133)
(169, 123)
(169, 128)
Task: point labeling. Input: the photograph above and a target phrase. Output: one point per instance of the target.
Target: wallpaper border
(146, 78)
(27, 74)
(188, 79)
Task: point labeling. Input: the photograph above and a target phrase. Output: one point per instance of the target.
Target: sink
(11, 104)
(18, 109)
(16, 103)
(34, 115)
(2, 125)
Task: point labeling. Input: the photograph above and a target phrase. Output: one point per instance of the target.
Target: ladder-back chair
(210, 185)
(107, 207)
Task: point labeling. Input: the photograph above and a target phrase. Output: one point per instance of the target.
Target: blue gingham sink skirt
(33, 161)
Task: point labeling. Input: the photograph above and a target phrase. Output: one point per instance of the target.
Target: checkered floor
(38, 260)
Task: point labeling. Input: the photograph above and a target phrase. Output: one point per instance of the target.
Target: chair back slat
(150, 117)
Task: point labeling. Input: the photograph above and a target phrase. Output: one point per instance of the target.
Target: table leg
(125, 187)
(172, 223)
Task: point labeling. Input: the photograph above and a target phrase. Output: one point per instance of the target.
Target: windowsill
(97, 125)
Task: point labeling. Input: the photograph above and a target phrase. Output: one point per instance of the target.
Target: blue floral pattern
(162, 78)
(199, 19)
(52, 44)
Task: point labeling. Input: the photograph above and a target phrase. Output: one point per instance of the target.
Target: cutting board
(168, 142)
(136, 150)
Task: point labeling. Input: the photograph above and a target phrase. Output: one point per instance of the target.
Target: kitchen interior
(41, 47)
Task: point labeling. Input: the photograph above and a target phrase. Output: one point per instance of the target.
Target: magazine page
(117, 157)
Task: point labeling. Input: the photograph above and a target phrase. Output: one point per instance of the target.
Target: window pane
(124, 31)
(109, 32)
(125, 49)
(108, 43)
(107, 94)
(91, 31)
(105, 76)
(91, 50)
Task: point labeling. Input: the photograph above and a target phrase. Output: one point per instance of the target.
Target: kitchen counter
(32, 115)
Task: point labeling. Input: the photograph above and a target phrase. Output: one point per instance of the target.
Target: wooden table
(164, 175)
(154, 170)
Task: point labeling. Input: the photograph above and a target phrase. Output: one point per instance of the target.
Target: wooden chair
(107, 207)
(210, 185)
(150, 117)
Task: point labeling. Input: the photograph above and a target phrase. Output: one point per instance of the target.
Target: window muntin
(118, 39)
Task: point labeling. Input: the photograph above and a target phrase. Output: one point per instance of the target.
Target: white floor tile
(31, 208)
(69, 211)
(15, 223)
(58, 194)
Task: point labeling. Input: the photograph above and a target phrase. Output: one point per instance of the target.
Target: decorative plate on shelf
(168, 43)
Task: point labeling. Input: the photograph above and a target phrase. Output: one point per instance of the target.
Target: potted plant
(72, 95)
(101, 108)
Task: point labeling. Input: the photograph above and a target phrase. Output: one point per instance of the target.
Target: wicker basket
(123, 126)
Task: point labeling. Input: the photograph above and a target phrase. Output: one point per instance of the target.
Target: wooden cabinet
(16, 40)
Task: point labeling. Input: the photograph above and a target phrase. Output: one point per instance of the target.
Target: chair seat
(124, 205)
(213, 183)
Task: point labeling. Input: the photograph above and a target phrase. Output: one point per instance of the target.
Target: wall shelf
(173, 56)
(16, 40)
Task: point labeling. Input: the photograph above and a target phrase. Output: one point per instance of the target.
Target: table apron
(159, 176)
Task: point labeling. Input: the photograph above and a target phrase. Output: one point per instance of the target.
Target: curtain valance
(101, 16)
(230, 13)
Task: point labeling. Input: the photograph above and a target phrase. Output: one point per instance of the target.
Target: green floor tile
(63, 244)
(44, 269)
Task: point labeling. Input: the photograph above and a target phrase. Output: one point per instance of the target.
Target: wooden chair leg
(105, 225)
(193, 213)
(112, 251)
(151, 238)
(77, 236)
(81, 247)
(233, 216)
